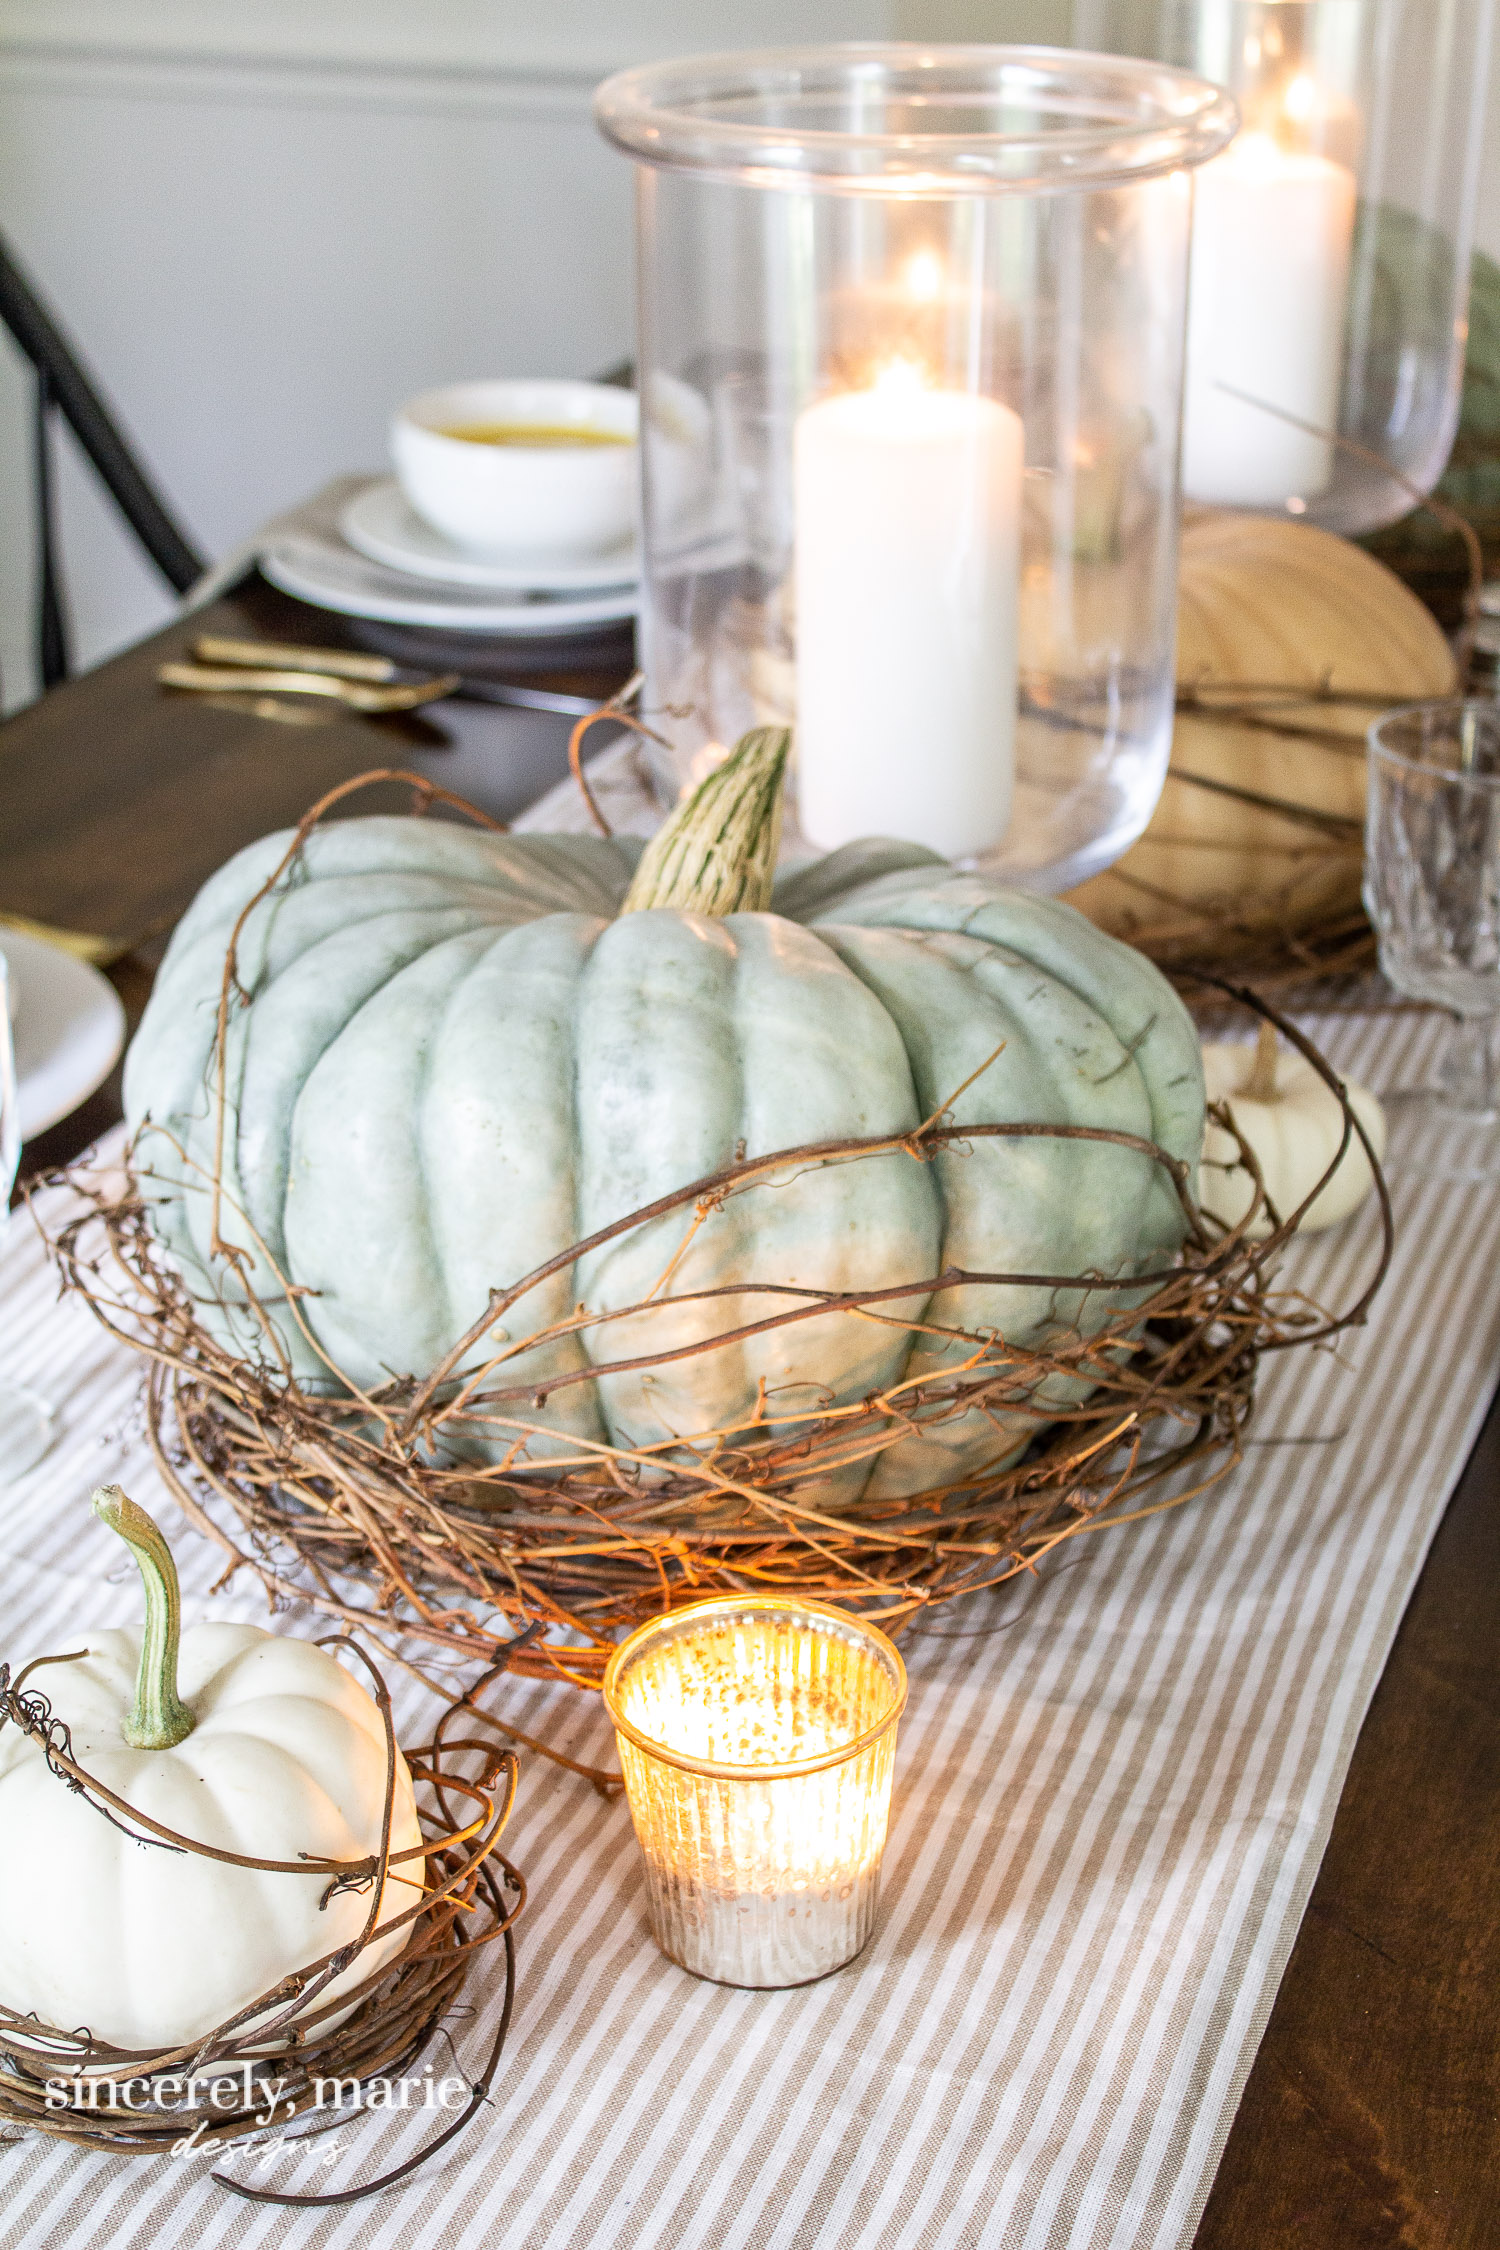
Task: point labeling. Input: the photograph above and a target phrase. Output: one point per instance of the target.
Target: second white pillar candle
(1273, 233)
(908, 523)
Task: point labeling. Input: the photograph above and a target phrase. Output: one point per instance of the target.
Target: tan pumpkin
(1253, 822)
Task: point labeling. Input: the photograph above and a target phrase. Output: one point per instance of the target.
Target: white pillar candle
(908, 536)
(1272, 235)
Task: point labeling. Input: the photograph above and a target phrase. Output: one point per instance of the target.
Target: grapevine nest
(357, 1503)
(260, 2071)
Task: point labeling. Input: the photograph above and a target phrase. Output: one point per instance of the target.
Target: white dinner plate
(382, 524)
(68, 1026)
(331, 575)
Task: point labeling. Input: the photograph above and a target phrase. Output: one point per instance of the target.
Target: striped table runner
(1113, 1790)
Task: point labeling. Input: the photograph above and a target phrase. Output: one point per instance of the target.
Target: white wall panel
(267, 224)
(265, 227)
(258, 276)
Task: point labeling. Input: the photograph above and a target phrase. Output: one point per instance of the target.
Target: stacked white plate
(68, 1026)
(384, 562)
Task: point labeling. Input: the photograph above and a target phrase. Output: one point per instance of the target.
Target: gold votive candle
(757, 1737)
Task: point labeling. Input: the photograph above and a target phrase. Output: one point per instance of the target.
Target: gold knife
(287, 656)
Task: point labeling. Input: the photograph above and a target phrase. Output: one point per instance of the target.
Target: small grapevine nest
(358, 1505)
(259, 2072)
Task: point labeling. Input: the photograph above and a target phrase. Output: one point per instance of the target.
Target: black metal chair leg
(64, 388)
(52, 626)
(91, 422)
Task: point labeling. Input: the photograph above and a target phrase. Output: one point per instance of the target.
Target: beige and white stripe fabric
(1113, 1790)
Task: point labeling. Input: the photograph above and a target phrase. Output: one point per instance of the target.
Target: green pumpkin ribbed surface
(459, 1056)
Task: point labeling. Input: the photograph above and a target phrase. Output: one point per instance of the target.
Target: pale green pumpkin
(459, 1056)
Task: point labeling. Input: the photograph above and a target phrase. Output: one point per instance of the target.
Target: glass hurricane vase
(910, 352)
(1332, 242)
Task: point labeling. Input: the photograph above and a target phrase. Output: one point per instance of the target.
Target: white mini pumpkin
(246, 1740)
(1294, 1123)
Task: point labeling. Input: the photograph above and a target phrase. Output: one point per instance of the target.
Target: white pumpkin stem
(159, 1717)
(716, 854)
(1260, 1086)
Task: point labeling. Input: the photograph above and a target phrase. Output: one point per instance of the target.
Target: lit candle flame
(1300, 101)
(901, 378)
(924, 277)
(1258, 154)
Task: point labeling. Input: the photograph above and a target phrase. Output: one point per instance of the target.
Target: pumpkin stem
(716, 854)
(1260, 1086)
(159, 1717)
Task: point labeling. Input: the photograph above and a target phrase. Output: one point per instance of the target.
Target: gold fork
(361, 683)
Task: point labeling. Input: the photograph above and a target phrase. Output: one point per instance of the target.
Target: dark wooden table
(1372, 2117)
(118, 798)
(1371, 2120)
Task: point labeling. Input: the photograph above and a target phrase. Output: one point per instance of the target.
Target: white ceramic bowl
(512, 501)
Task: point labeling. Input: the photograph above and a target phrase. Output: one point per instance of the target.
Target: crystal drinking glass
(25, 1424)
(1432, 889)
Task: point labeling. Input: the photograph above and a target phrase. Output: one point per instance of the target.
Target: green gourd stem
(159, 1716)
(716, 854)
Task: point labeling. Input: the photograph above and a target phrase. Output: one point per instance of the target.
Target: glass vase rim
(1482, 706)
(740, 1605)
(648, 111)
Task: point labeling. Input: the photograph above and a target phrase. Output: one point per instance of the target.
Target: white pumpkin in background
(1294, 1123)
(249, 1741)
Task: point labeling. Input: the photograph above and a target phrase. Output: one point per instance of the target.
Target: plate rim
(599, 576)
(531, 621)
(90, 979)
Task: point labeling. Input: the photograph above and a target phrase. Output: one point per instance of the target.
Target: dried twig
(449, 1511)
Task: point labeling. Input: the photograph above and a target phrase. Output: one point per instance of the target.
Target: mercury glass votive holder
(758, 1738)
